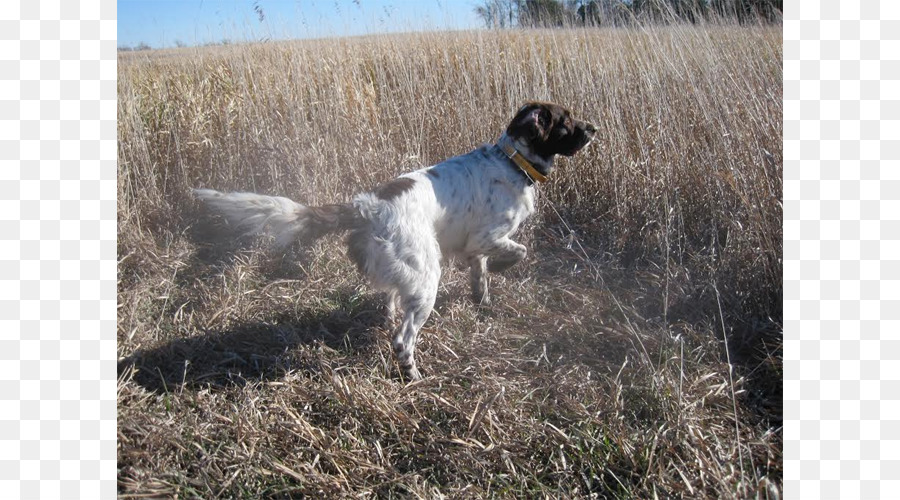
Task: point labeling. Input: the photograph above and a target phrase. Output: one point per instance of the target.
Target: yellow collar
(520, 160)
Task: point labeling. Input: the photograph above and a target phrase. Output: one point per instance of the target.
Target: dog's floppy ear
(532, 121)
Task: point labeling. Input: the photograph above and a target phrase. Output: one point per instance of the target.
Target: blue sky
(160, 23)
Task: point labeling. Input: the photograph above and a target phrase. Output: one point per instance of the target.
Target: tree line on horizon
(557, 13)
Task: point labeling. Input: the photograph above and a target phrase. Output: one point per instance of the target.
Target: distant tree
(544, 13)
(602, 12)
(688, 10)
(497, 13)
(555, 13)
(666, 11)
(180, 44)
(488, 14)
(749, 10)
(142, 46)
(589, 13)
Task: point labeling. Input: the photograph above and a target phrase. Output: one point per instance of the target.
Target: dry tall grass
(603, 368)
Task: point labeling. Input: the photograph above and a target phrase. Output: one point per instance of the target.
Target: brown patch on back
(395, 188)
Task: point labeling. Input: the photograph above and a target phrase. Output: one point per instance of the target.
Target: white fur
(251, 213)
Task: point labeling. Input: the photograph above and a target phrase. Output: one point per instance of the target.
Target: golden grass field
(636, 353)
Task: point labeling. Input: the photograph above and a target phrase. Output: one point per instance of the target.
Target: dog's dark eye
(544, 118)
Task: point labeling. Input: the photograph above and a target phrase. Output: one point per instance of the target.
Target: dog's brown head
(549, 129)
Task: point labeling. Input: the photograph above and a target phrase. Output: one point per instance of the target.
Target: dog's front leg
(503, 254)
(495, 256)
(478, 280)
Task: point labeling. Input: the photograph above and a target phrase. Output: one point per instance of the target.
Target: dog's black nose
(590, 128)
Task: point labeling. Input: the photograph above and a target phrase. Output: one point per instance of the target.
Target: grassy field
(636, 353)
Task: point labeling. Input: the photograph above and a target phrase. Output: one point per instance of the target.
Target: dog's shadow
(217, 246)
(254, 351)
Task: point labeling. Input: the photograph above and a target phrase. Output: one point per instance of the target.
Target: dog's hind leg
(417, 308)
(392, 302)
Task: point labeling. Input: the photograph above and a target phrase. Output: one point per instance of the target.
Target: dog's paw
(481, 299)
(411, 374)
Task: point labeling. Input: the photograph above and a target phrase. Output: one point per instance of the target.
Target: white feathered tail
(287, 220)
